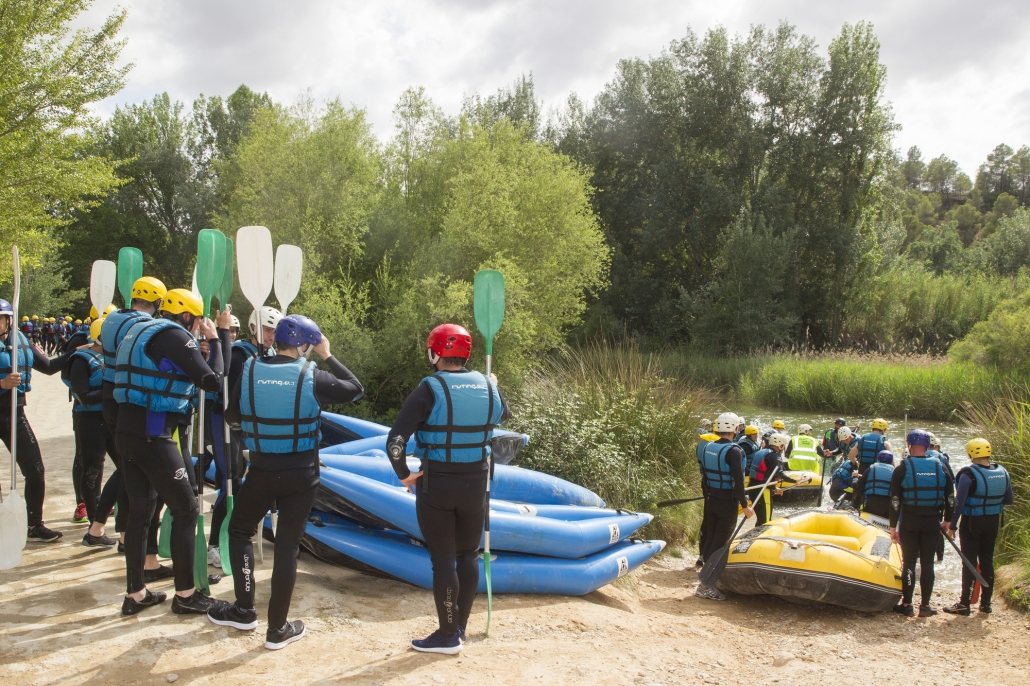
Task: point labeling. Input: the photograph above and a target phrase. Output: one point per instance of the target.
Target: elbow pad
(395, 448)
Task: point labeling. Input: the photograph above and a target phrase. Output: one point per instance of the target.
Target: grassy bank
(1005, 422)
(609, 417)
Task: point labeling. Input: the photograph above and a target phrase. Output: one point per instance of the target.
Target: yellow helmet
(67, 317)
(35, 317)
(979, 447)
(88, 320)
(78, 322)
(93, 311)
(25, 319)
(148, 288)
(880, 423)
(179, 300)
(52, 320)
(94, 329)
(778, 425)
(750, 430)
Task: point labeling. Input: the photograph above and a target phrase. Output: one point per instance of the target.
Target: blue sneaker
(436, 642)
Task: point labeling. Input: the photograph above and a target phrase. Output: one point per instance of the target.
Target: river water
(953, 439)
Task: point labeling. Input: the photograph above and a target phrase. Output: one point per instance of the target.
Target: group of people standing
(51, 334)
(135, 379)
(918, 498)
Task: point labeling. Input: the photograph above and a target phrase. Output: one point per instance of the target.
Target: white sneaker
(214, 558)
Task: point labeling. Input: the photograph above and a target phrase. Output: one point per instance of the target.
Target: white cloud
(957, 73)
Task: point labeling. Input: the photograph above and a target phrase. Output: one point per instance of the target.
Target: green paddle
(130, 268)
(223, 295)
(488, 304)
(210, 271)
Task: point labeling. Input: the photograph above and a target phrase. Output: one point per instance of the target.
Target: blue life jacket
(878, 479)
(112, 331)
(466, 409)
(757, 458)
(844, 474)
(25, 359)
(747, 445)
(988, 494)
(137, 380)
(924, 482)
(715, 467)
(96, 377)
(278, 407)
(869, 446)
(246, 346)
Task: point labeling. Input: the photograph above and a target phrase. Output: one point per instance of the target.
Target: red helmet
(450, 340)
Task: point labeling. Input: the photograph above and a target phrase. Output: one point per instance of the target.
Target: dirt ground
(60, 624)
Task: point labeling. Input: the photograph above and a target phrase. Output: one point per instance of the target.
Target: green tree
(940, 176)
(995, 175)
(968, 222)
(49, 77)
(914, 169)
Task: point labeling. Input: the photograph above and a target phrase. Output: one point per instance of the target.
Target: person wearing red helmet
(452, 414)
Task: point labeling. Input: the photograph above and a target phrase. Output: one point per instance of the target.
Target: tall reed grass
(1005, 422)
(607, 416)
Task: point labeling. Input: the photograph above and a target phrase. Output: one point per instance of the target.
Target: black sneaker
(132, 607)
(436, 642)
(229, 614)
(699, 563)
(43, 534)
(161, 572)
(196, 604)
(121, 549)
(926, 611)
(905, 610)
(276, 639)
(958, 609)
(986, 608)
(461, 634)
(101, 540)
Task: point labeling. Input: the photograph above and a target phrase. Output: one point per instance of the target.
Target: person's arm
(415, 411)
(339, 386)
(734, 457)
(895, 508)
(858, 490)
(180, 348)
(853, 453)
(965, 488)
(232, 412)
(78, 375)
(1009, 499)
(949, 498)
(237, 357)
(42, 363)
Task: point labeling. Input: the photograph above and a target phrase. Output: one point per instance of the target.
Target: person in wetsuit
(452, 414)
(764, 464)
(872, 490)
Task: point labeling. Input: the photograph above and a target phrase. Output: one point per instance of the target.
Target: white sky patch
(958, 75)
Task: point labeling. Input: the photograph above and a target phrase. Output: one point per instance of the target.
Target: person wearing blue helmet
(872, 490)
(275, 404)
(922, 497)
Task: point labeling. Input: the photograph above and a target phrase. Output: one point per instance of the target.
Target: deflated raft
(834, 558)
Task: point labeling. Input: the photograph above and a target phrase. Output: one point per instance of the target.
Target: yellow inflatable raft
(797, 469)
(835, 558)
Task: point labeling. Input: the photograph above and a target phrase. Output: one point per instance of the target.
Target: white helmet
(234, 323)
(726, 423)
(843, 433)
(934, 440)
(778, 440)
(269, 317)
(805, 429)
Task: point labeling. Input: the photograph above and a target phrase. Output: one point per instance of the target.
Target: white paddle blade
(289, 263)
(102, 282)
(196, 291)
(254, 264)
(13, 530)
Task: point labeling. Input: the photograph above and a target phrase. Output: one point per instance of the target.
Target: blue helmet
(296, 330)
(885, 456)
(5, 308)
(918, 437)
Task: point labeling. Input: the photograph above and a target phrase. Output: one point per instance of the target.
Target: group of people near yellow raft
(135, 378)
(918, 498)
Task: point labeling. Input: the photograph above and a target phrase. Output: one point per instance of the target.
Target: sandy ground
(60, 624)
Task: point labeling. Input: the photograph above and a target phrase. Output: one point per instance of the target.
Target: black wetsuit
(763, 506)
(720, 514)
(93, 442)
(287, 481)
(920, 531)
(879, 505)
(450, 502)
(29, 459)
(978, 536)
(153, 463)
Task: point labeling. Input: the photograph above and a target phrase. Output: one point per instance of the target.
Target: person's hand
(205, 348)
(895, 536)
(749, 512)
(10, 381)
(323, 348)
(946, 529)
(777, 491)
(409, 483)
(493, 378)
(206, 328)
(223, 318)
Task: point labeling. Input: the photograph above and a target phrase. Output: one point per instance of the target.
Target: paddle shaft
(969, 565)
(12, 336)
(670, 503)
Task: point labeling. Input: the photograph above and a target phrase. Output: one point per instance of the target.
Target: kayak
(397, 555)
(506, 445)
(393, 507)
(833, 558)
(509, 483)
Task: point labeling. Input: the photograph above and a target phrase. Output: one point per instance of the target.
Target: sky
(958, 72)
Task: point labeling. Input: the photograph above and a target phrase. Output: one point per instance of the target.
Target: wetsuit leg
(76, 460)
(919, 536)
(121, 518)
(293, 490)
(702, 531)
(91, 443)
(977, 537)
(762, 508)
(219, 510)
(30, 462)
(722, 519)
(451, 516)
(149, 467)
